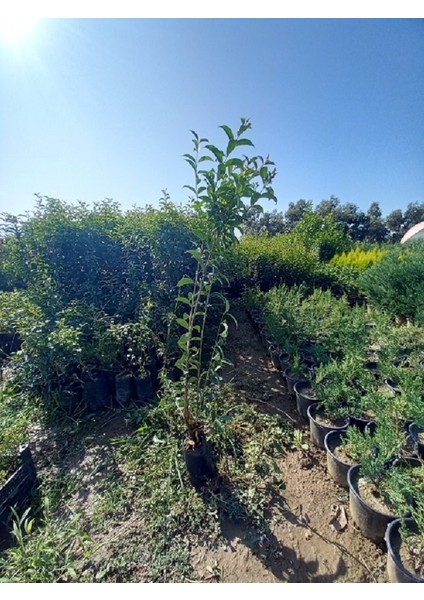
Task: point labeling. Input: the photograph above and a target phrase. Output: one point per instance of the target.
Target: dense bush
(63, 253)
(299, 257)
(396, 282)
(323, 234)
(91, 287)
(358, 258)
(269, 261)
(294, 316)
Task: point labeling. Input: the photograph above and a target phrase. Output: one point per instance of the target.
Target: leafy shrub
(396, 283)
(269, 261)
(323, 234)
(358, 258)
(293, 315)
(62, 253)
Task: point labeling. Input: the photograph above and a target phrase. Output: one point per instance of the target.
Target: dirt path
(303, 546)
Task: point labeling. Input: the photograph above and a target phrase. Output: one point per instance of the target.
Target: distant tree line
(369, 226)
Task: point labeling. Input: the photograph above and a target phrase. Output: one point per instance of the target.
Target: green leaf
(233, 318)
(191, 188)
(245, 125)
(263, 173)
(180, 364)
(203, 158)
(228, 131)
(244, 142)
(195, 254)
(183, 323)
(185, 281)
(235, 162)
(182, 342)
(224, 300)
(183, 300)
(233, 144)
(217, 153)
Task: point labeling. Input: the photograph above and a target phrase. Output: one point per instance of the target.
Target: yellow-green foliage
(360, 259)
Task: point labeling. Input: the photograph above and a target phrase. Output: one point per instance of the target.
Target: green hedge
(283, 259)
(396, 283)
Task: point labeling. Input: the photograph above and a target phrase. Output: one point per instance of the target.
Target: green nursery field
(148, 359)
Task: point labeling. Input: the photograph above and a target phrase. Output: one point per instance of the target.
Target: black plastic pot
(372, 367)
(336, 468)
(414, 431)
(124, 388)
(98, 391)
(390, 384)
(371, 522)
(291, 378)
(16, 492)
(396, 571)
(360, 422)
(143, 389)
(318, 430)
(308, 363)
(305, 396)
(285, 361)
(199, 461)
(275, 352)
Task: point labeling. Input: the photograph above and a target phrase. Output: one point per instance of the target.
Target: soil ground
(312, 538)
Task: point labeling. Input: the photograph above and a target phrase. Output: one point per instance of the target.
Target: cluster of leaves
(300, 256)
(342, 342)
(398, 483)
(396, 283)
(56, 354)
(296, 315)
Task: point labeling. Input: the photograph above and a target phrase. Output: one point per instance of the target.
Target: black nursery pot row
(104, 389)
(373, 524)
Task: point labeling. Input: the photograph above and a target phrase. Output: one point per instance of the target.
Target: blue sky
(96, 108)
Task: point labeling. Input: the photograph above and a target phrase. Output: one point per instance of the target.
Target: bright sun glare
(15, 29)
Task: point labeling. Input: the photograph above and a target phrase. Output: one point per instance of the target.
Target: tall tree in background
(361, 226)
(258, 222)
(296, 212)
(413, 214)
(394, 225)
(377, 231)
(327, 207)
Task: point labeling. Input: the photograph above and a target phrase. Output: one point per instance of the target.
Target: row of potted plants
(360, 406)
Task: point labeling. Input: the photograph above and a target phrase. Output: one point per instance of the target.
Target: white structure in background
(415, 233)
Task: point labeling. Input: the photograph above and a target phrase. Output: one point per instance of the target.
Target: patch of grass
(16, 416)
(146, 517)
(51, 550)
(175, 517)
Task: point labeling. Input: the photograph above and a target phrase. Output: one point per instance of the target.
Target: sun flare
(15, 29)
